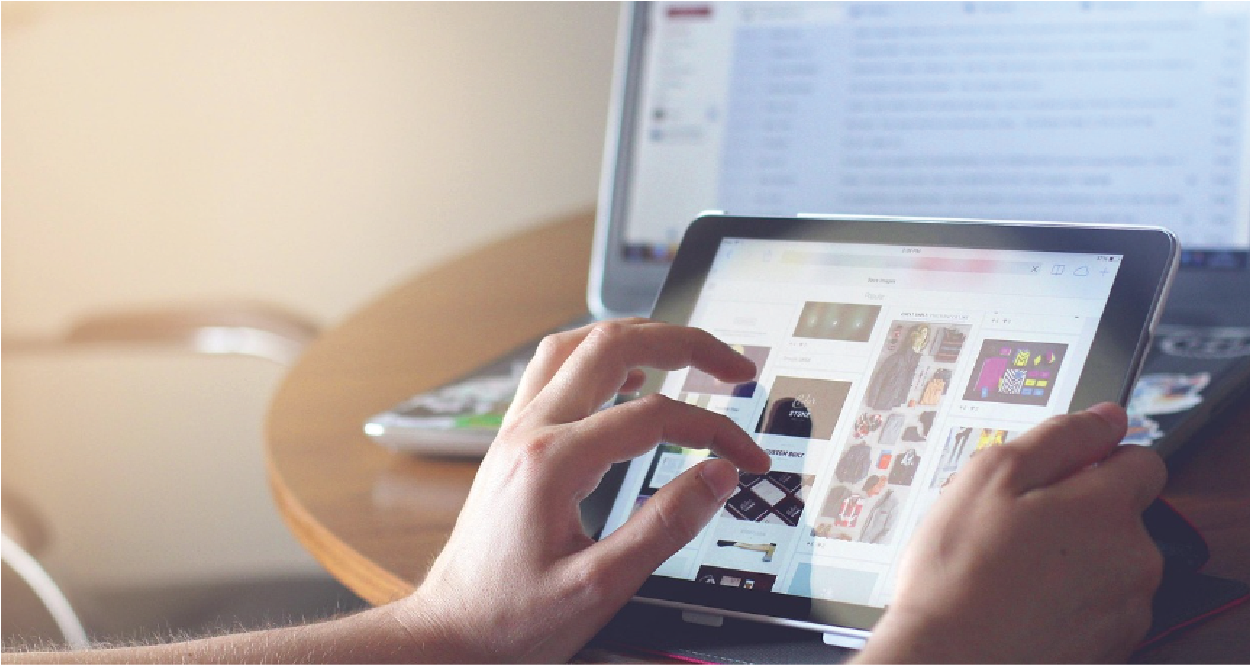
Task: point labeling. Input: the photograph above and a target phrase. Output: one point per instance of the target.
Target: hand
(1035, 553)
(519, 579)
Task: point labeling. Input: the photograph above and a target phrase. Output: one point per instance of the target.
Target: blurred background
(304, 156)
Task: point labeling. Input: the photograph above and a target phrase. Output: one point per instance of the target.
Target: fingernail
(766, 462)
(738, 351)
(1111, 413)
(721, 477)
(749, 367)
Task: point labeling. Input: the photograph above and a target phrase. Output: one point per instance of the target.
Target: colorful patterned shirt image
(1015, 372)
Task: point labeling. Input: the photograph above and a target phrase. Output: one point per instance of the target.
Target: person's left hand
(519, 579)
(1036, 552)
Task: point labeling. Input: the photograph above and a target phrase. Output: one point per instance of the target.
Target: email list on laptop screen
(1050, 111)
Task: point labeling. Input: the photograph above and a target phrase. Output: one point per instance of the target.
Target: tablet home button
(714, 620)
(845, 641)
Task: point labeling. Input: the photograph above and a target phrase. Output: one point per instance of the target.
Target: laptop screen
(1103, 112)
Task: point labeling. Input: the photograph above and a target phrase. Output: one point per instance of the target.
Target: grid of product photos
(849, 482)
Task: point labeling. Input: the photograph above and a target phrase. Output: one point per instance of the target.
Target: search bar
(928, 263)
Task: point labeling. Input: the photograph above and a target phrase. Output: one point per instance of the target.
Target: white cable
(48, 592)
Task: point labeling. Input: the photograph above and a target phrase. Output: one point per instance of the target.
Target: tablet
(890, 352)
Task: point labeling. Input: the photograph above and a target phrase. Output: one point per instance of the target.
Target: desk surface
(375, 519)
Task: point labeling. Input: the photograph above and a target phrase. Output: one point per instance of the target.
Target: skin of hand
(519, 579)
(1035, 553)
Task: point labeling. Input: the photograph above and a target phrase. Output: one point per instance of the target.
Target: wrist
(433, 632)
(903, 638)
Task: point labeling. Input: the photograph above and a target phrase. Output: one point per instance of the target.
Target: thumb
(666, 522)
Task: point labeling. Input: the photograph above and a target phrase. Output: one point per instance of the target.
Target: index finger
(1133, 472)
(552, 352)
(600, 364)
(576, 463)
(1060, 447)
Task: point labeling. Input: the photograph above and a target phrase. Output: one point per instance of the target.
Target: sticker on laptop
(1159, 394)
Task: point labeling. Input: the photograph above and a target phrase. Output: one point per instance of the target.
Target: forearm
(373, 636)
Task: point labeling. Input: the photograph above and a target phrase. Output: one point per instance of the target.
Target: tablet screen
(882, 369)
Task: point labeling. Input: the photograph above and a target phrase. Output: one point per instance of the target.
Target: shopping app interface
(881, 371)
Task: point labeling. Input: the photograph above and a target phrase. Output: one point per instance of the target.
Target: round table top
(375, 518)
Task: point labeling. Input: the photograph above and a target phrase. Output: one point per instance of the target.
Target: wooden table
(375, 519)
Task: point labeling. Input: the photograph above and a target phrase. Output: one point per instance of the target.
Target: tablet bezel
(1150, 256)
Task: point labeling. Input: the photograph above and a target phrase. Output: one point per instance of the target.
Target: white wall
(309, 155)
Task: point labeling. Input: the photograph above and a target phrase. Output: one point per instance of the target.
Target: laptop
(1109, 113)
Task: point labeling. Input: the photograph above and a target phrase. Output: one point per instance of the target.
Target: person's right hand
(1035, 553)
(519, 579)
